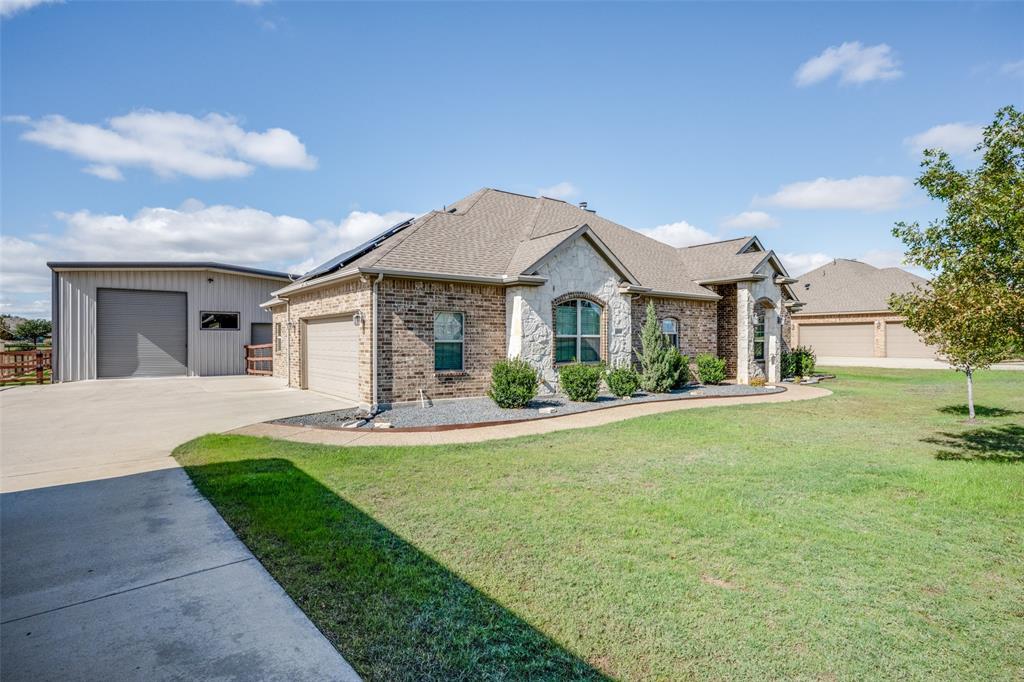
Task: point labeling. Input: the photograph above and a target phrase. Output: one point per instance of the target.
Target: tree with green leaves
(973, 308)
(32, 330)
(661, 365)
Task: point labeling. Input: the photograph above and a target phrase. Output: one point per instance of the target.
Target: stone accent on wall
(726, 327)
(787, 329)
(698, 322)
(339, 299)
(406, 339)
(575, 267)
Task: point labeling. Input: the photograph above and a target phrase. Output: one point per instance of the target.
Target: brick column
(879, 338)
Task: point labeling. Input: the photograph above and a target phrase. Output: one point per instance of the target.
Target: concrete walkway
(581, 420)
(113, 566)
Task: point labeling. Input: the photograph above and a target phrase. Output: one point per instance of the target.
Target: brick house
(428, 307)
(846, 318)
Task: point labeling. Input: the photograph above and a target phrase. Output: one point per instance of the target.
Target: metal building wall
(210, 352)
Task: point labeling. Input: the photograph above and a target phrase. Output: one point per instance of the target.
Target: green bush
(798, 362)
(580, 382)
(710, 369)
(623, 381)
(683, 374)
(661, 366)
(513, 383)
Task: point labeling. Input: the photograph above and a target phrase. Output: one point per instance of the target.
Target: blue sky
(279, 133)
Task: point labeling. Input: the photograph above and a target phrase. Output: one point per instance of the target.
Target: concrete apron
(113, 566)
(580, 420)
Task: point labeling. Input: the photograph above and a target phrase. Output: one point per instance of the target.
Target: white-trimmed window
(449, 341)
(278, 345)
(577, 331)
(670, 328)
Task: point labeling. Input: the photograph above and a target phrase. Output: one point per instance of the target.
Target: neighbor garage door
(141, 333)
(332, 357)
(901, 342)
(839, 340)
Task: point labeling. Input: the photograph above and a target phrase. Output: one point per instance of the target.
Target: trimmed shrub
(758, 382)
(710, 369)
(623, 381)
(580, 382)
(798, 361)
(661, 366)
(513, 383)
(683, 376)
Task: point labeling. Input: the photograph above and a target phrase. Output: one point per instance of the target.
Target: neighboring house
(115, 320)
(428, 307)
(846, 312)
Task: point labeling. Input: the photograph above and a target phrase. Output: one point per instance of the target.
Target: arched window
(578, 331)
(670, 328)
(759, 335)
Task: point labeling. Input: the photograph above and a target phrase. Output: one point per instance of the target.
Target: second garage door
(141, 333)
(839, 340)
(332, 357)
(901, 342)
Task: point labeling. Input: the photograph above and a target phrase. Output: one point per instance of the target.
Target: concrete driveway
(112, 566)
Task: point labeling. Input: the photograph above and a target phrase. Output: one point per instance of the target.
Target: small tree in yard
(32, 330)
(973, 308)
(660, 365)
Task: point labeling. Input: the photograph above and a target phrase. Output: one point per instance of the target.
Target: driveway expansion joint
(116, 593)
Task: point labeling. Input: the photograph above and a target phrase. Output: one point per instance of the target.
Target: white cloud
(954, 138)
(193, 231)
(563, 190)
(1013, 69)
(862, 193)
(9, 8)
(169, 144)
(799, 263)
(678, 234)
(854, 62)
(883, 258)
(749, 221)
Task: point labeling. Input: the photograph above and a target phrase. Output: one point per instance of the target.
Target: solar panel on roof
(343, 259)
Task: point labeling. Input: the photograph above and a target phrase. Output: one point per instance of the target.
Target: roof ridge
(720, 241)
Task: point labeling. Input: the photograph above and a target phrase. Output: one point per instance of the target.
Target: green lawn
(871, 534)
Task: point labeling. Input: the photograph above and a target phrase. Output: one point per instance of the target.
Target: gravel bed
(483, 410)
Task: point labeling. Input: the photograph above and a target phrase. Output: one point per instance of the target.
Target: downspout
(288, 343)
(374, 406)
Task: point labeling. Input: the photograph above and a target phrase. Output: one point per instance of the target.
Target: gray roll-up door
(141, 333)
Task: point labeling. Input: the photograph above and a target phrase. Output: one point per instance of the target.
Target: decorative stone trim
(573, 295)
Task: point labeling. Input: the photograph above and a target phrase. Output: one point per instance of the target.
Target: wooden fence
(259, 358)
(25, 366)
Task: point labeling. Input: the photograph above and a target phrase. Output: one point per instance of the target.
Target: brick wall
(346, 297)
(697, 322)
(879, 321)
(406, 340)
(726, 331)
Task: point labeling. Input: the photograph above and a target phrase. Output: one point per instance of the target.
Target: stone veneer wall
(575, 268)
(698, 322)
(406, 355)
(343, 298)
(726, 327)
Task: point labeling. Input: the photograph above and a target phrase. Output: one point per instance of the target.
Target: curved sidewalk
(528, 427)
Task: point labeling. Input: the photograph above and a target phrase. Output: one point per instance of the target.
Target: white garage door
(332, 357)
(839, 340)
(901, 342)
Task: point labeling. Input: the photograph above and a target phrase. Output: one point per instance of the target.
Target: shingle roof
(493, 233)
(846, 286)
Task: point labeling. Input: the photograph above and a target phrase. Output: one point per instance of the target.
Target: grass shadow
(979, 410)
(392, 611)
(994, 444)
